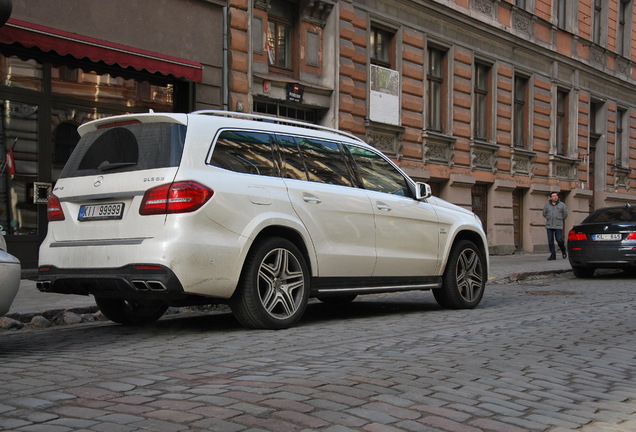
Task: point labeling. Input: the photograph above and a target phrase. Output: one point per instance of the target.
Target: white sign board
(384, 95)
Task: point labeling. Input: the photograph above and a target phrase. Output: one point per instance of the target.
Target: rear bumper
(603, 257)
(135, 281)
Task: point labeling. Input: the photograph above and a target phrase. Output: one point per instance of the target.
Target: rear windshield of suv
(131, 147)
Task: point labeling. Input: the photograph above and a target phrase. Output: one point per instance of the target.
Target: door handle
(309, 198)
(383, 207)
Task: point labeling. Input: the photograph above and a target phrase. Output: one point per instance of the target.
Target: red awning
(79, 46)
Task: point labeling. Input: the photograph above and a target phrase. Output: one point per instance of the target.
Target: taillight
(179, 197)
(573, 236)
(54, 210)
(631, 236)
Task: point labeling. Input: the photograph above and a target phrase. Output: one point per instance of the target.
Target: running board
(336, 286)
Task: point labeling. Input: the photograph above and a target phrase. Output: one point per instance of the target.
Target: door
(406, 230)
(479, 200)
(20, 170)
(337, 215)
(517, 218)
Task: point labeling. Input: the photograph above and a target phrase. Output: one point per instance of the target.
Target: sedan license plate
(606, 237)
(101, 212)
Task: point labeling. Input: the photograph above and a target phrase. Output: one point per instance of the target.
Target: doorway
(479, 193)
(517, 219)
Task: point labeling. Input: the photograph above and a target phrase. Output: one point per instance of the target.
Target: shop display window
(16, 72)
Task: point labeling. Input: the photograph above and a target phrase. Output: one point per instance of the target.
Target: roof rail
(277, 120)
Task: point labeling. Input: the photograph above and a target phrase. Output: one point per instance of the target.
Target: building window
(520, 4)
(482, 97)
(622, 43)
(597, 119)
(285, 111)
(108, 88)
(597, 22)
(279, 44)
(561, 11)
(20, 73)
(520, 113)
(436, 90)
(620, 152)
(279, 34)
(381, 47)
(562, 123)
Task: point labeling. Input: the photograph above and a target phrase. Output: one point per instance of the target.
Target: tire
(341, 299)
(583, 272)
(274, 287)
(131, 312)
(464, 279)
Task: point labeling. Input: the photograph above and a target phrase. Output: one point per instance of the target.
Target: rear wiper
(106, 166)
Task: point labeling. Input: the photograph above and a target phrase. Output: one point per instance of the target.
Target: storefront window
(89, 85)
(19, 149)
(15, 72)
(42, 104)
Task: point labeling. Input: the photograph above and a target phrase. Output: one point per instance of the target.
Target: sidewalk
(30, 300)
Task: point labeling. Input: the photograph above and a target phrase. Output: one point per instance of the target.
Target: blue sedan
(605, 239)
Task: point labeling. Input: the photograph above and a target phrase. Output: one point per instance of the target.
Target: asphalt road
(548, 354)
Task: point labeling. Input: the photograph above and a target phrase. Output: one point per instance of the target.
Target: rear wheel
(464, 279)
(131, 312)
(274, 287)
(583, 272)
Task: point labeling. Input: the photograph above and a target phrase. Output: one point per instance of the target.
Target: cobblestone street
(554, 354)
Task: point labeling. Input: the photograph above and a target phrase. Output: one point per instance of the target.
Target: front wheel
(274, 287)
(464, 279)
(131, 312)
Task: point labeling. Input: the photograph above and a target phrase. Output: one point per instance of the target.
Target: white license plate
(606, 237)
(101, 212)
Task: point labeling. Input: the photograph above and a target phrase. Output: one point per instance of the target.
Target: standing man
(555, 212)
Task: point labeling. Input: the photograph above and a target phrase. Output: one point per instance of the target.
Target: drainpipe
(226, 72)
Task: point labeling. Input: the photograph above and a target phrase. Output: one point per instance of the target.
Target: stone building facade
(495, 103)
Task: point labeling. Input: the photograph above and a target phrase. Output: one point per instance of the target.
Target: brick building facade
(495, 103)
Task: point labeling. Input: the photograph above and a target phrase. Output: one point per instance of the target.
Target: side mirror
(422, 191)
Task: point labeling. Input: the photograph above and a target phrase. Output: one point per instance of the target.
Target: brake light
(573, 236)
(54, 210)
(631, 236)
(180, 197)
(117, 124)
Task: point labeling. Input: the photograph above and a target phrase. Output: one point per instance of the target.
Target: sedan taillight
(179, 197)
(631, 236)
(573, 236)
(54, 210)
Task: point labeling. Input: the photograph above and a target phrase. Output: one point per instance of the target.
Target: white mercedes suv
(161, 209)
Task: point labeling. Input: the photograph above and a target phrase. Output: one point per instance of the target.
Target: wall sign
(295, 92)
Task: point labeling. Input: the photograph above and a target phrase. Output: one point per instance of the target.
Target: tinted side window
(292, 164)
(325, 162)
(137, 146)
(245, 152)
(377, 174)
